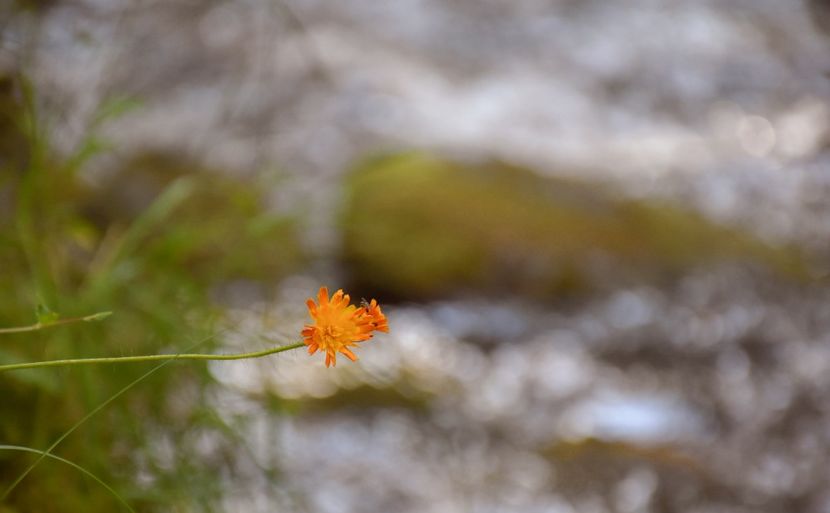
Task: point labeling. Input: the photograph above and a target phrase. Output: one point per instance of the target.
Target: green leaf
(100, 316)
(45, 315)
(115, 108)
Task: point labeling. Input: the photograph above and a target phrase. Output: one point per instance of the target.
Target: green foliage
(45, 315)
(68, 249)
(220, 229)
(416, 225)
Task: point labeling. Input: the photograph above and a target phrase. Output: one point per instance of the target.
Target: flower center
(331, 332)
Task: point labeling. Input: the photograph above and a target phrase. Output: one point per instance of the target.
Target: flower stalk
(149, 358)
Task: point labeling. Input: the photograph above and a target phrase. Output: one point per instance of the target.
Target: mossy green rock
(421, 227)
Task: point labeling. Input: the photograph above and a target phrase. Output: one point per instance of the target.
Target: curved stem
(149, 358)
(94, 412)
(44, 454)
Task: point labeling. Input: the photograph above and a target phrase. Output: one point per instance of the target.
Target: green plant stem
(94, 412)
(149, 358)
(41, 325)
(44, 454)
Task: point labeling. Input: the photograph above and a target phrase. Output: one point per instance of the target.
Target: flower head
(339, 325)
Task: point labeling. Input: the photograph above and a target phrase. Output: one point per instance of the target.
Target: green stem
(149, 358)
(44, 454)
(94, 412)
(41, 325)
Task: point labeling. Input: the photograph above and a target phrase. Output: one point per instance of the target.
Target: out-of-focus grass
(418, 225)
(80, 249)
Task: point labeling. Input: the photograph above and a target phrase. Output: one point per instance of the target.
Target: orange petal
(323, 296)
(350, 355)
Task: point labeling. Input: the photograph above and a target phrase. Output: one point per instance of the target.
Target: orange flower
(339, 325)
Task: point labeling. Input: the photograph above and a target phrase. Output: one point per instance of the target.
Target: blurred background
(599, 230)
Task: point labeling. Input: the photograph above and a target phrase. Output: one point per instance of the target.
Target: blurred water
(712, 400)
